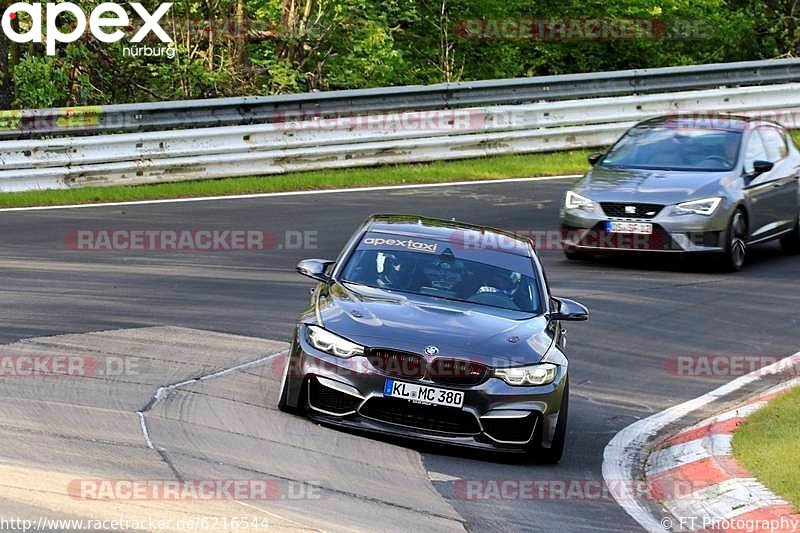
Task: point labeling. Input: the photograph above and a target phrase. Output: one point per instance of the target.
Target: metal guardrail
(262, 149)
(310, 134)
(273, 109)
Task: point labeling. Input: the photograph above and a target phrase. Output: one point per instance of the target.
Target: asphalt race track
(211, 311)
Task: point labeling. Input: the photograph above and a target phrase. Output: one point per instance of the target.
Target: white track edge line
(159, 394)
(288, 193)
(145, 431)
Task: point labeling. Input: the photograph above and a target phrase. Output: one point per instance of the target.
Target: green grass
(510, 166)
(768, 445)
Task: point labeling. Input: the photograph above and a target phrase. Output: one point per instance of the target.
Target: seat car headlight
(706, 206)
(325, 341)
(574, 200)
(541, 374)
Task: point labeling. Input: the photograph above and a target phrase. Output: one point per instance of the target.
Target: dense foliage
(283, 46)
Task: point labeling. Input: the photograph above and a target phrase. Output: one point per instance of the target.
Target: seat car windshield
(444, 270)
(675, 148)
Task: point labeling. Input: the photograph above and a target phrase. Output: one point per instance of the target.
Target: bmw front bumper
(350, 393)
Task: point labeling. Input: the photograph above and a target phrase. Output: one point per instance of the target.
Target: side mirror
(315, 269)
(761, 167)
(569, 311)
(594, 158)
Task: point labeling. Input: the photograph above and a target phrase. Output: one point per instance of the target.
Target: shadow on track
(696, 264)
(484, 456)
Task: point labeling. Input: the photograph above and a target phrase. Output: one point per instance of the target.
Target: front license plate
(638, 228)
(423, 394)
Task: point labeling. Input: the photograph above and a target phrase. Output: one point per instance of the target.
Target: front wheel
(790, 243)
(735, 253)
(283, 403)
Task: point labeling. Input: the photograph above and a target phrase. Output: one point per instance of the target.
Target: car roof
(441, 229)
(711, 120)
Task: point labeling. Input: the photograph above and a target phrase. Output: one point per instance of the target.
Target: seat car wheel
(553, 454)
(790, 243)
(733, 258)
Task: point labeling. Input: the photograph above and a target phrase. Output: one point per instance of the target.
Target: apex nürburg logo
(99, 23)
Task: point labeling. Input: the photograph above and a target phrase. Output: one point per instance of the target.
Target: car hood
(377, 318)
(665, 187)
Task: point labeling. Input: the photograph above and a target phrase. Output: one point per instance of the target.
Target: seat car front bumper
(587, 231)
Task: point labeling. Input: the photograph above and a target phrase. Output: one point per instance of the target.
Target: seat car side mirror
(315, 269)
(594, 158)
(569, 311)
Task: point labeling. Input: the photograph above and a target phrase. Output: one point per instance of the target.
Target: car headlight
(541, 374)
(324, 340)
(706, 206)
(574, 200)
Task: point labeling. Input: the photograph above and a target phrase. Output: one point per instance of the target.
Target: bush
(40, 83)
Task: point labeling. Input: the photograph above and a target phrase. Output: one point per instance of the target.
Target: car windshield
(444, 270)
(675, 148)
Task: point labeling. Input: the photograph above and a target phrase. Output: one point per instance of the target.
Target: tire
(283, 402)
(573, 255)
(554, 454)
(734, 256)
(790, 243)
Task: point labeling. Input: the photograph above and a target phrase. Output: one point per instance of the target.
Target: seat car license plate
(423, 394)
(639, 228)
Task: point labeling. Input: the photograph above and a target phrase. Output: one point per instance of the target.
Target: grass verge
(768, 445)
(499, 167)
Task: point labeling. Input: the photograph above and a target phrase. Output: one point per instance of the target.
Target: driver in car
(391, 273)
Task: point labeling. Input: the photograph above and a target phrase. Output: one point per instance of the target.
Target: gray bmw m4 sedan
(674, 184)
(418, 331)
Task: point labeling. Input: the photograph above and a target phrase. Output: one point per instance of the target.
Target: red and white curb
(693, 474)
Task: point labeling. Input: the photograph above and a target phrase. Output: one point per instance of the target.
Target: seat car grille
(397, 364)
(456, 372)
(631, 210)
(427, 417)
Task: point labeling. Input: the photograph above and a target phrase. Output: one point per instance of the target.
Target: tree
(248, 47)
